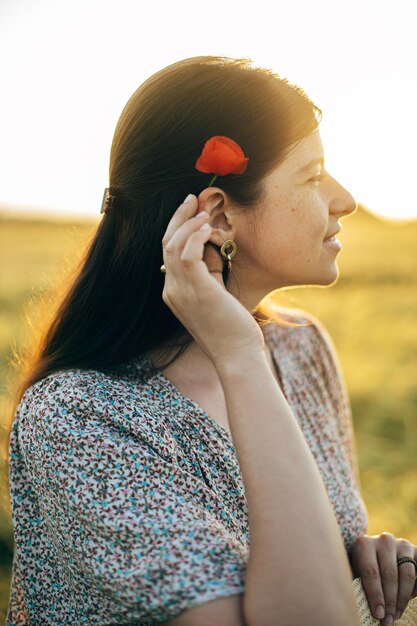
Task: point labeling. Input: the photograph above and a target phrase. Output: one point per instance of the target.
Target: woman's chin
(325, 278)
(331, 276)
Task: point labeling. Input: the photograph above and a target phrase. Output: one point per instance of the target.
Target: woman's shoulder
(312, 329)
(306, 341)
(85, 385)
(106, 394)
(302, 325)
(123, 400)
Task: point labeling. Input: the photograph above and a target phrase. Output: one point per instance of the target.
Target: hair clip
(107, 202)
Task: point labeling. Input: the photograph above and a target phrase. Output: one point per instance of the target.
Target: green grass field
(371, 314)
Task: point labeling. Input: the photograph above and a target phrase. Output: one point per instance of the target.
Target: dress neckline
(179, 395)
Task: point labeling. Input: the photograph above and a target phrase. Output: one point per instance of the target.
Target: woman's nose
(343, 202)
(350, 203)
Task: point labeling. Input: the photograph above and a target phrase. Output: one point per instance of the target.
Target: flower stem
(212, 180)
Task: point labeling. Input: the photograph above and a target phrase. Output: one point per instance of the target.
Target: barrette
(107, 202)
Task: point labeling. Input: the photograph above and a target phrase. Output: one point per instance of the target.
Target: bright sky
(68, 69)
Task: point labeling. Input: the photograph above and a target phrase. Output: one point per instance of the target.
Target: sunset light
(71, 67)
(216, 339)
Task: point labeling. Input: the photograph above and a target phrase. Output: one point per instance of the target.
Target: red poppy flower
(221, 156)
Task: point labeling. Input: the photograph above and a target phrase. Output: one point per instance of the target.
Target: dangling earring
(228, 255)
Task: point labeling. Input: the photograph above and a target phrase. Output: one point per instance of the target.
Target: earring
(228, 255)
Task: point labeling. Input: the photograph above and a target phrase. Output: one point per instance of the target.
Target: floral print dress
(128, 503)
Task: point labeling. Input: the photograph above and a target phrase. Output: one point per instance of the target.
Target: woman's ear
(215, 202)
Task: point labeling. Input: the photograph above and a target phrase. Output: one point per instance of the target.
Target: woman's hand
(374, 560)
(195, 292)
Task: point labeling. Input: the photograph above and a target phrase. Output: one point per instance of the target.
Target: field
(370, 312)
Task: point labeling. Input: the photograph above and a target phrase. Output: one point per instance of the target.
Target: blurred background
(67, 70)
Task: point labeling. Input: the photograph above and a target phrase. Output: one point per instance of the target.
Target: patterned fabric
(127, 499)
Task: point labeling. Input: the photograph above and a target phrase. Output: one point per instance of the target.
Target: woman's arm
(297, 572)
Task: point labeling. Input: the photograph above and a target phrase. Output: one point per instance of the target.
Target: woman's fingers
(387, 559)
(185, 248)
(196, 293)
(414, 592)
(387, 585)
(184, 251)
(186, 272)
(406, 576)
(182, 225)
(180, 237)
(367, 565)
(192, 253)
(183, 213)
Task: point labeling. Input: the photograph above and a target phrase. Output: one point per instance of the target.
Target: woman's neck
(195, 365)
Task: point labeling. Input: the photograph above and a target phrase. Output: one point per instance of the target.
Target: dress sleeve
(330, 371)
(128, 525)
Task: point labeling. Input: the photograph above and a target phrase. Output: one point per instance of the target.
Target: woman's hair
(112, 309)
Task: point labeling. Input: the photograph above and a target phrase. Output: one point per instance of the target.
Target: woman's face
(301, 207)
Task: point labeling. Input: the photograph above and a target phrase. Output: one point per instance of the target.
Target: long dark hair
(112, 309)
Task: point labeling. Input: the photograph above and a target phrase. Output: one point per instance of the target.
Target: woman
(179, 455)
